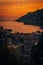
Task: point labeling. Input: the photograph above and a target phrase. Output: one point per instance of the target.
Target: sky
(13, 9)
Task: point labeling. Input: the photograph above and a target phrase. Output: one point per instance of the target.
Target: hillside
(33, 18)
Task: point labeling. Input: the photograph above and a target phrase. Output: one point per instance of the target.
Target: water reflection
(19, 27)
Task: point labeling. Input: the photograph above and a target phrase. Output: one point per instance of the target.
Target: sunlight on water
(19, 27)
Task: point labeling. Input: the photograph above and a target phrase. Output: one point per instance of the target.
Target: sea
(20, 27)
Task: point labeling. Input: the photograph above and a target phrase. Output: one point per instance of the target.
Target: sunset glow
(13, 9)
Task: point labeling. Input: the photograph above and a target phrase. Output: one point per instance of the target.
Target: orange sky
(12, 9)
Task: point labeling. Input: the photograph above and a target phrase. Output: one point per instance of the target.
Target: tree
(37, 52)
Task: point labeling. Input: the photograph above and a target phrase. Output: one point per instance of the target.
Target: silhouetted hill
(33, 18)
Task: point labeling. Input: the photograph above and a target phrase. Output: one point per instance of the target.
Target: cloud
(8, 2)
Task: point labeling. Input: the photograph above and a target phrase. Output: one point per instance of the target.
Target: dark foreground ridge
(21, 48)
(33, 18)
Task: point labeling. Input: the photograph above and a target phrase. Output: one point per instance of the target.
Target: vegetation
(33, 18)
(8, 55)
